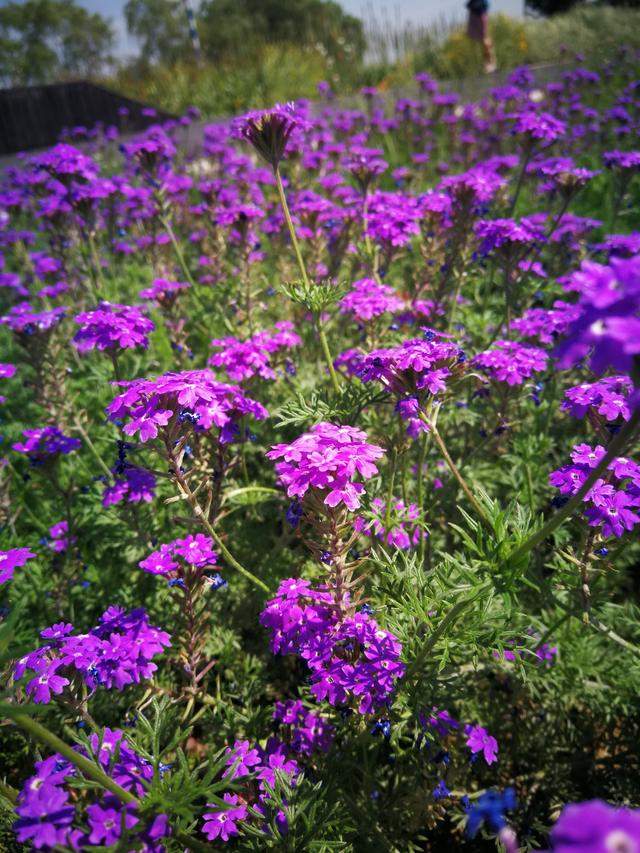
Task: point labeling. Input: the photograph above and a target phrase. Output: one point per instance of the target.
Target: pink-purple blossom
(327, 460)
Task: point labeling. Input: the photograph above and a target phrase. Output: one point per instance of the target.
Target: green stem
(420, 496)
(199, 513)
(178, 251)
(292, 230)
(614, 449)
(95, 262)
(305, 278)
(93, 449)
(88, 768)
(327, 357)
(454, 470)
(392, 479)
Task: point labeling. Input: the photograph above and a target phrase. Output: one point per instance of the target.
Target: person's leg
(488, 53)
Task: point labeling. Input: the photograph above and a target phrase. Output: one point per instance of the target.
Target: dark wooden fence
(34, 116)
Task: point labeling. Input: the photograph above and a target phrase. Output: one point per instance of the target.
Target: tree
(44, 40)
(235, 26)
(161, 28)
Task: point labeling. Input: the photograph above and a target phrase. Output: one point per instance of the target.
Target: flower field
(321, 477)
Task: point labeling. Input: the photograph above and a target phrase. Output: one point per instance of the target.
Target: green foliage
(44, 40)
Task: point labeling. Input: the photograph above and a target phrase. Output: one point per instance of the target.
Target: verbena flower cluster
(119, 651)
(352, 661)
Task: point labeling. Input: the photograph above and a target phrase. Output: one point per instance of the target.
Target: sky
(418, 11)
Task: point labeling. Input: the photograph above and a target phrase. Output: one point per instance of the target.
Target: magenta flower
(45, 443)
(479, 740)
(367, 300)
(111, 327)
(13, 559)
(327, 459)
(244, 359)
(223, 823)
(596, 827)
(608, 328)
(511, 362)
(192, 398)
(404, 531)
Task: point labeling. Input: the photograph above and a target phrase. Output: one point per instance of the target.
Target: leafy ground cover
(320, 486)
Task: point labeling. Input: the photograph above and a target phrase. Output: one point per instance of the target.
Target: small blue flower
(440, 791)
(294, 513)
(490, 809)
(382, 727)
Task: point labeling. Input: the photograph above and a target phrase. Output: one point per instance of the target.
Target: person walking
(478, 30)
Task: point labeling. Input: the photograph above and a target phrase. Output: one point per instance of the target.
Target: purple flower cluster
(117, 652)
(608, 328)
(326, 460)
(243, 359)
(511, 362)
(546, 324)
(132, 485)
(476, 737)
(303, 731)
(45, 443)
(163, 291)
(194, 550)
(608, 397)
(25, 320)
(504, 235)
(538, 126)
(352, 660)
(367, 300)
(59, 537)
(111, 327)
(192, 397)
(257, 767)
(403, 532)
(613, 500)
(13, 559)
(47, 811)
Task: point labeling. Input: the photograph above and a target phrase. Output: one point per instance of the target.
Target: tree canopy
(44, 40)
(231, 28)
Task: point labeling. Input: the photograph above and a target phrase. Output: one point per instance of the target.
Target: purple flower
(192, 397)
(479, 740)
(511, 362)
(596, 827)
(404, 531)
(223, 823)
(608, 397)
(244, 359)
(608, 328)
(303, 731)
(26, 321)
(110, 327)
(367, 300)
(269, 130)
(12, 559)
(303, 621)
(613, 500)
(327, 459)
(138, 485)
(45, 443)
(538, 126)
(117, 652)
